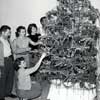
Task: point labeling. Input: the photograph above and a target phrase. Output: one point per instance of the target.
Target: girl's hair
(29, 29)
(19, 28)
(18, 62)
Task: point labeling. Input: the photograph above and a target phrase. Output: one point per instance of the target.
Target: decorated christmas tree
(71, 42)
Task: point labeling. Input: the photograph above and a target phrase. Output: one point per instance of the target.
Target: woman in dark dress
(34, 35)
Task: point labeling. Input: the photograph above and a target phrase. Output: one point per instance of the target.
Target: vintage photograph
(49, 50)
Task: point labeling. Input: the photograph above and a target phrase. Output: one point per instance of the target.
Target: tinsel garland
(71, 43)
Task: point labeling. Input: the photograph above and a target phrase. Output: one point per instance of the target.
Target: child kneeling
(25, 88)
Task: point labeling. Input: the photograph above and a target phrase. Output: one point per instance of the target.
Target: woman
(21, 44)
(34, 35)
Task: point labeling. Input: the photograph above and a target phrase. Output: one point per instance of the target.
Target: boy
(43, 22)
(6, 63)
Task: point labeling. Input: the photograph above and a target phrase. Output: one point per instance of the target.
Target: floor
(45, 86)
(57, 93)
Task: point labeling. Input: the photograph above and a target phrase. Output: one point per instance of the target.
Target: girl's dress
(24, 87)
(34, 38)
(34, 57)
(34, 92)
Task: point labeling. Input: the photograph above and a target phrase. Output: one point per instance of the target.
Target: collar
(2, 39)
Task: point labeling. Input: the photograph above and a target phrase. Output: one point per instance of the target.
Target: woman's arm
(35, 68)
(34, 43)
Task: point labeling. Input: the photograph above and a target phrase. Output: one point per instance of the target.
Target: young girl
(21, 44)
(25, 88)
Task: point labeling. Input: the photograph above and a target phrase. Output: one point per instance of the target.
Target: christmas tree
(71, 42)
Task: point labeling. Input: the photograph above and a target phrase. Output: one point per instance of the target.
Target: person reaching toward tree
(26, 88)
(21, 44)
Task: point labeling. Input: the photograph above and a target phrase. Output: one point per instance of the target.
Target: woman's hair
(19, 28)
(29, 29)
(18, 62)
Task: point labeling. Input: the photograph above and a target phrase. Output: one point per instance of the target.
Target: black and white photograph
(49, 50)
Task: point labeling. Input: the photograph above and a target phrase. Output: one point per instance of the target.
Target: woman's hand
(40, 42)
(43, 55)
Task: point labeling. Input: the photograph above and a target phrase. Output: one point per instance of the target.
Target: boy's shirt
(24, 80)
(1, 54)
(6, 47)
(42, 31)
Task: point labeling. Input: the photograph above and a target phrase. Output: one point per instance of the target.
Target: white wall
(23, 12)
(96, 3)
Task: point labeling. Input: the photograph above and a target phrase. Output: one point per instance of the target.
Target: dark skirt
(30, 94)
